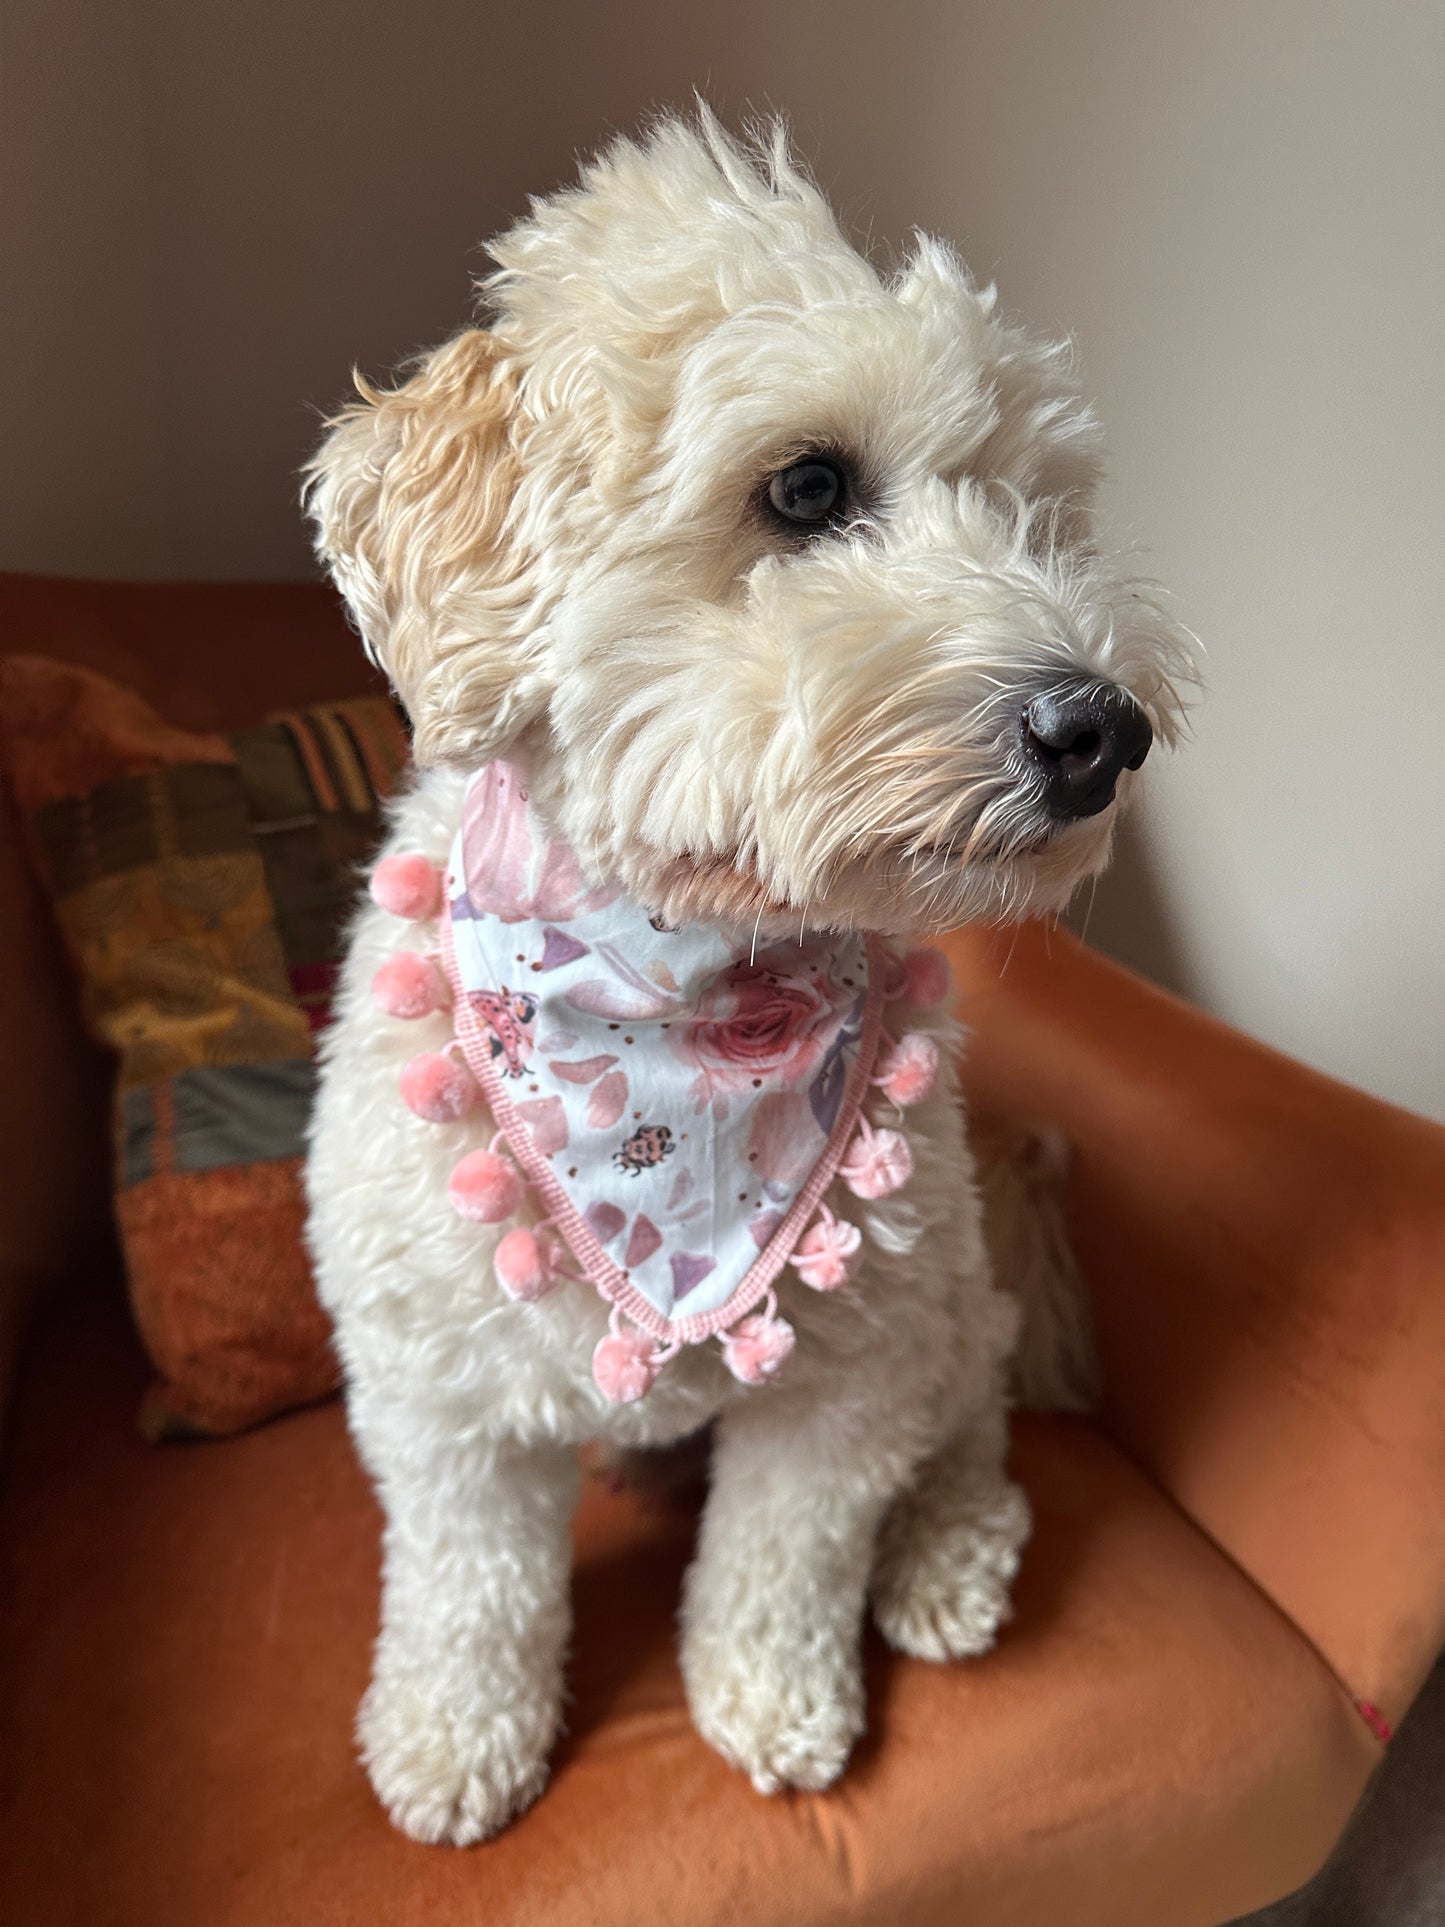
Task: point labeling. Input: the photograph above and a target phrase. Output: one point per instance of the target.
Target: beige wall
(1236, 207)
(1240, 209)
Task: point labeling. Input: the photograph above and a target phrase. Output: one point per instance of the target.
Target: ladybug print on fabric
(644, 1149)
(511, 1017)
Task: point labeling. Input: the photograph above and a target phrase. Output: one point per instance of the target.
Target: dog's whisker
(1089, 909)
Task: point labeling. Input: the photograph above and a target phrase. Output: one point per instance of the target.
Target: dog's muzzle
(1081, 737)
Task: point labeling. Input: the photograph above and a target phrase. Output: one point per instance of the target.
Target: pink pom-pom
(757, 1347)
(522, 1266)
(878, 1164)
(927, 978)
(437, 1088)
(827, 1254)
(407, 886)
(624, 1366)
(484, 1188)
(910, 1070)
(409, 985)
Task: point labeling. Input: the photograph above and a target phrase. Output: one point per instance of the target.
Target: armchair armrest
(1265, 1249)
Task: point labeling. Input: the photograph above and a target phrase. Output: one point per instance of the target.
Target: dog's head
(777, 574)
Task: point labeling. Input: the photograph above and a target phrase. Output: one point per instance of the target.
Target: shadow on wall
(1126, 914)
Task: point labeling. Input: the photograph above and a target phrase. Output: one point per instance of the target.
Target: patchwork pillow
(202, 883)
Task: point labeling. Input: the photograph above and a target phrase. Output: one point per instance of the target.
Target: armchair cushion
(188, 1633)
(214, 657)
(200, 881)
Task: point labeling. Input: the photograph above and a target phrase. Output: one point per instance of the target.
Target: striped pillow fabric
(202, 883)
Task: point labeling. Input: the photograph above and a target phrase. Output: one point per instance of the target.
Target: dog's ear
(412, 494)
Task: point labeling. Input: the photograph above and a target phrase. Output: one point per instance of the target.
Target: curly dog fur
(556, 537)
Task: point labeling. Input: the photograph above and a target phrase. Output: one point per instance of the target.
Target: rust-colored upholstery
(1248, 1541)
(1266, 1250)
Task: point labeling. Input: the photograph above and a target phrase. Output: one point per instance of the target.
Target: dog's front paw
(785, 1718)
(944, 1567)
(451, 1774)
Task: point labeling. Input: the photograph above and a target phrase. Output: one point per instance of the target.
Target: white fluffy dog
(772, 577)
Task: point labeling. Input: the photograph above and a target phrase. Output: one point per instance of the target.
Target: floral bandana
(676, 1100)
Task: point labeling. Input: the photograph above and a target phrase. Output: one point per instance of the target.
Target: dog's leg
(466, 1689)
(950, 1545)
(774, 1602)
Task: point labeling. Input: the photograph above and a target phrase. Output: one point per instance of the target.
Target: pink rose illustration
(506, 873)
(756, 1025)
(784, 1142)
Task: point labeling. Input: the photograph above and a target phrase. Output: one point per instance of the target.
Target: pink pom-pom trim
(438, 1088)
(624, 1366)
(409, 985)
(927, 978)
(757, 1347)
(910, 1070)
(522, 1265)
(827, 1253)
(407, 886)
(484, 1188)
(878, 1163)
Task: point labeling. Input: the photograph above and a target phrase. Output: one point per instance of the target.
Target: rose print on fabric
(759, 1022)
(679, 1090)
(559, 948)
(689, 1268)
(784, 1142)
(510, 873)
(605, 1219)
(825, 1093)
(546, 1119)
(608, 1101)
(645, 1240)
(630, 994)
(587, 1072)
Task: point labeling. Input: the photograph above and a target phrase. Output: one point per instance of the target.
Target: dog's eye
(808, 493)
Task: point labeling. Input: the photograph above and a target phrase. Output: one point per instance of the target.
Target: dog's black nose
(1082, 737)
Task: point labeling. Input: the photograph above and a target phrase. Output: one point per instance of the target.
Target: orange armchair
(1235, 1587)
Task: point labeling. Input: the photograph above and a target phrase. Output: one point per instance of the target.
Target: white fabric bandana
(677, 1101)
